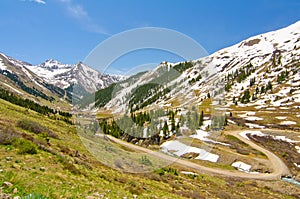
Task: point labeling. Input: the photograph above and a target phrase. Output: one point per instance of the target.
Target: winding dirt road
(278, 166)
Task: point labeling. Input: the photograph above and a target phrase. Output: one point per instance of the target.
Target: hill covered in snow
(262, 71)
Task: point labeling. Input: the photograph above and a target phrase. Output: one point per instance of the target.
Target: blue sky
(67, 30)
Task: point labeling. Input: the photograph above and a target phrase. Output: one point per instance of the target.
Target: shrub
(169, 170)
(31, 126)
(71, 167)
(36, 128)
(160, 171)
(134, 188)
(145, 161)
(67, 165)
(25, 146)
(8, 135)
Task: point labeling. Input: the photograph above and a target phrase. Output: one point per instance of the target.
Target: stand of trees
(149, 125)
(145, 95)
(183, 66)
(26, 103)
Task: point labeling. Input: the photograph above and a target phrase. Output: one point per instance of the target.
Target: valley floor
(61, 167)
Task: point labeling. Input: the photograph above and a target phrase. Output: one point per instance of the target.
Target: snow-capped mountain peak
(66, 75)
(52, 64)
(246, 66)
(89, 78)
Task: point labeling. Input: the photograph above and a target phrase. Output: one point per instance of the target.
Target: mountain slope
(65, 75)
(253, 84)
(51, 81)
(48, 153)
(16, 78)
(62, 167)
(271, 57)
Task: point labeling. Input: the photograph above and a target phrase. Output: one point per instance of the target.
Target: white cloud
(78, 12)
(39, 1)
(36, 1)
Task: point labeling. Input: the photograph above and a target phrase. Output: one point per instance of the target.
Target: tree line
(26, 103)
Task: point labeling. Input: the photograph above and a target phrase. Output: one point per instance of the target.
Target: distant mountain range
(66, 75)
(51, 79)
(262, 72)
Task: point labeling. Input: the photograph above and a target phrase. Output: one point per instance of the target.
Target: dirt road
(278, 166)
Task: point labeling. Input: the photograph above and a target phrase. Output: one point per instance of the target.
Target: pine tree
(252, 81)
(246, 97)
(173, 127)
(269, 86)
(225, 122)
(165, 129)
(253, 97)
(201, 119)
(262, 89)
(181, 120)
(177, 126)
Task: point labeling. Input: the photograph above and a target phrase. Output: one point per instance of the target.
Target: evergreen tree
(165, 129)
(177, 127)
(208, 95)
(225, 121)
(269, 86)
(173, 127)
(282, 76)
(262, 89)
(257, 90)
(201, 119)
(181, 120)
(246, 96)
(252, 81)
(253, 97)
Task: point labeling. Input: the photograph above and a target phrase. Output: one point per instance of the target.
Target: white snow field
(241, 166)
(177, 148)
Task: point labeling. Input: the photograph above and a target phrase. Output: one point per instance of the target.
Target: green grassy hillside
(44, 156)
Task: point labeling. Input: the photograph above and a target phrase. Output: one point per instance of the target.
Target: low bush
(36, 128)
(169, 170)
(67, 165)
(8, 136)
(25, 146)
(145, 161)
(134, 188)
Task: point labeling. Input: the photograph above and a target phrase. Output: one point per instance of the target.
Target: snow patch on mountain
(288, 123)
(241, 166)
(66, 75)
(259, 51)
(2, 66)
(50, 68)
(177, 148)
